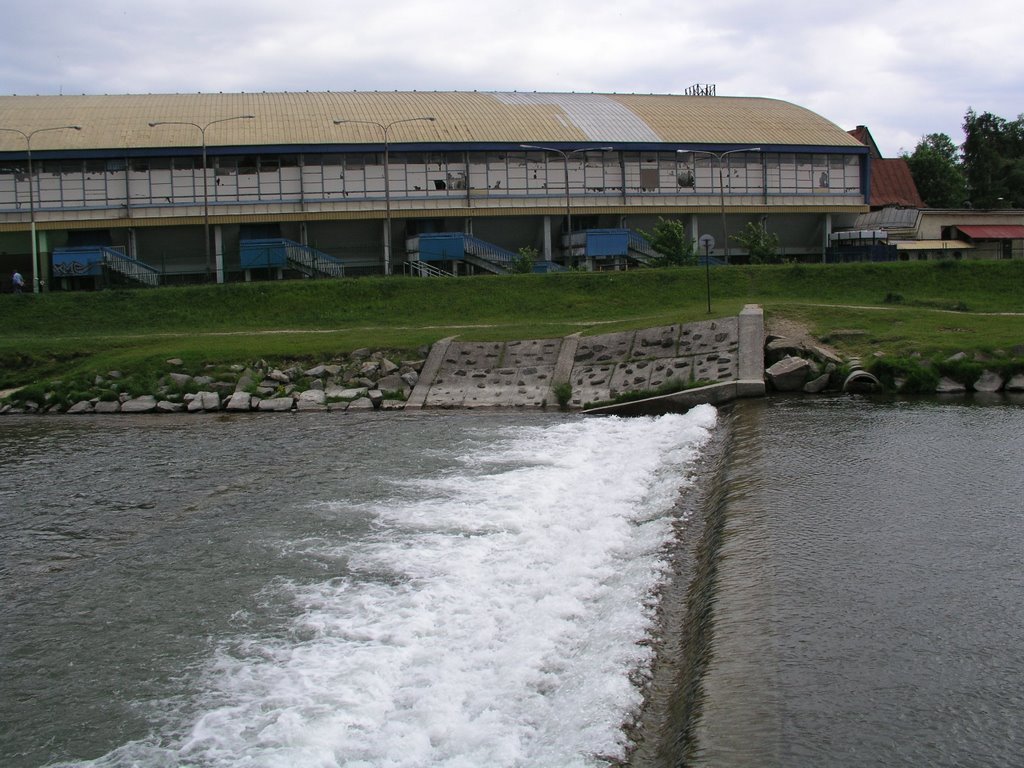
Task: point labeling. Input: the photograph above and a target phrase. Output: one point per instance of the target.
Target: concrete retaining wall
(727, 353)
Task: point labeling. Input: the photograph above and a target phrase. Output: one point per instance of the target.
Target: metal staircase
(610, 244)
(92, 260)
(459, 246)
(280, 253)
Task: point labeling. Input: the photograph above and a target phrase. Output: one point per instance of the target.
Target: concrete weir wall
(727, 352)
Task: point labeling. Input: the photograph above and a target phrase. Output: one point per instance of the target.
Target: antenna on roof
(698, 89)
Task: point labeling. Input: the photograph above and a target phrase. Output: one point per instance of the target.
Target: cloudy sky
(904, 68)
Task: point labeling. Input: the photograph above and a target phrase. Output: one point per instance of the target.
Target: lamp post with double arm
(720, 159)
(385, 129)
(206, 185)
(27, 136)
(565, 155)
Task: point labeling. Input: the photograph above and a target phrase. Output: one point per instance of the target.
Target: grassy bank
(929, 308)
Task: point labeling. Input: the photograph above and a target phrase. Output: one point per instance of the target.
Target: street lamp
(206, 186)
(719, 157)
(385, 128)
(568, 204)
(31, 191)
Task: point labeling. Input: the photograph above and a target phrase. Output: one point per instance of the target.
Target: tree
(523, 263)
(935, 166)
(993, 157)
(670, 241)
(761, 245)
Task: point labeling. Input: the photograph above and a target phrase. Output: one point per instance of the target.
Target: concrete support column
(43, 254)
(824, 237)
(547, 238)
(218, 252)
(750, 343)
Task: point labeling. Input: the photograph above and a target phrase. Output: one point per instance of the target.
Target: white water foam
(500, 618)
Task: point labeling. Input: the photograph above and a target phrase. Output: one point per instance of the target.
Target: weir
(666, 732)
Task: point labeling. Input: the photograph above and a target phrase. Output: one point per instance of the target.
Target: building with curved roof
(175, 187)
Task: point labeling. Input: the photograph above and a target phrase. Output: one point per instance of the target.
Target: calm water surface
(871, 601)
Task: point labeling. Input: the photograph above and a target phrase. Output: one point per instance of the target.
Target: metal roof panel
(993, 231)
(462, 117)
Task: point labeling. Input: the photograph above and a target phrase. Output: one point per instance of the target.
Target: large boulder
(779, 348)
(1016, 383)
(239, 401)
(142, 404)
(276, 404)
(989, 381)
(181, 379)
(948, 386)
(245, 381)
(204, 401)
(311, 400)
(392, 383)
(788, 374)
(350, 393)
(819, 384)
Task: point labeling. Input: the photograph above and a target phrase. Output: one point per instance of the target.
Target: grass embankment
(929, 308)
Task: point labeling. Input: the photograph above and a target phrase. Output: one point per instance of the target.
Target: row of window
(270, 178)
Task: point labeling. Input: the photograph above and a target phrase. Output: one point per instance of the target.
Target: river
(486, 589)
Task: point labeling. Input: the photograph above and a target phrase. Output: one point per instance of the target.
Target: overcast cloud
(904, 68)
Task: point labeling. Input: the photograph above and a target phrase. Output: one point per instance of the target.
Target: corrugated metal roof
(993, 232)
(888, 218)
(121, 122)
(893, 184)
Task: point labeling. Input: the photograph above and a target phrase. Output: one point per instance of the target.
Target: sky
(903, 68)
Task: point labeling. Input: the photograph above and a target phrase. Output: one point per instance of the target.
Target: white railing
(311, 260)
(425, 269)
(115, 259)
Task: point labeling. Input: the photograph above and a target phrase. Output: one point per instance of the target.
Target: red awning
(994, 232)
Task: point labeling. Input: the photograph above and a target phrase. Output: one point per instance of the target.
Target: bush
(909, 376)
(670, 241)
(523, 265)
(563, 393)
(761, 245)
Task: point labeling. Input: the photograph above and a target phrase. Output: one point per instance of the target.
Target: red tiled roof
(893, 184)
(993, 232)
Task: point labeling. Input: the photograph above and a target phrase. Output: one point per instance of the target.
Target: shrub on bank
(918, 375)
